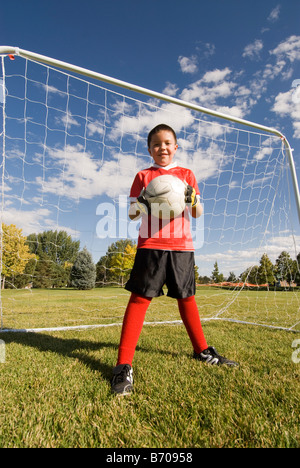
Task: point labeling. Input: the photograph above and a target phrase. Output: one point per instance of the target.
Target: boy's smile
(163, 148)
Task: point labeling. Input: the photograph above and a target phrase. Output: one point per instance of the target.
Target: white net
(70, 151)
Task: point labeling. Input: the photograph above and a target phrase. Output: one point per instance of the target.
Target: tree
(54, 250)
(284, 268)
(197, 277)
(216, 276)
(50, 275)
(122, 262)
(265, 271)
(15, 253)
(57, 245)
(203, 279)
(116, 264)
(20, 281)
(250, 275)
(296, 270)
(83, 273)
(44, 273)
(232, 278)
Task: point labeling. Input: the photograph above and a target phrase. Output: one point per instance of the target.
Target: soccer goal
(72, 141)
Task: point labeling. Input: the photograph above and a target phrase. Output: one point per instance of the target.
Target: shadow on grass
(73, 348)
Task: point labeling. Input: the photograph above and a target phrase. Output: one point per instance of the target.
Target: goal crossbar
(8, 50)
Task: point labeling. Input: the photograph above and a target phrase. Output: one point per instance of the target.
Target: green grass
(55, 387)
(59, 308)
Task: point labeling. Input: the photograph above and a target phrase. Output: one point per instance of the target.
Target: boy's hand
(143, 204)
(190, 196)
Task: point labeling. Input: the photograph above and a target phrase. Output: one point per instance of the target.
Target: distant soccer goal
(72, 141)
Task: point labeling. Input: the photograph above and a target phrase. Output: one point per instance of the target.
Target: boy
(164, 258)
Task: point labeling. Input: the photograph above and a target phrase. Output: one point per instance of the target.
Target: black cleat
(211, 356)
(122, 380)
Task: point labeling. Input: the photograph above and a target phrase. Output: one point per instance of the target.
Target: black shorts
(153, 269)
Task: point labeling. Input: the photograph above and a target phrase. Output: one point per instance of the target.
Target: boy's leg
(190, 316)
(132, 326)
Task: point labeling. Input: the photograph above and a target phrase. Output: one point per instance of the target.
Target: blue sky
(235, 56)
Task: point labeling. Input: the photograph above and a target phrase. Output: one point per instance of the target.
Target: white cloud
(149, 116)
(171, 89)
(202, 94)
(290, 48)
(188, 64)
(206, 49)
(296, 126)
(216, 75)
(280, 66)
(95, 127)
(234, 111)
(83, 177)
(217, 91)
(265, 150)
(68, 120)
(253, 50)
(260, 181)
(79, 175)
(53, 90)
(204, 163)
(271, 71)
(283, 103)
(28, 221)
(274, 15)
(239, 260)
(286, 105)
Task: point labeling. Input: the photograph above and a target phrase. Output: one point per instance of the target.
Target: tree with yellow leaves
(122, 262)
(15, 252)
(116, 264)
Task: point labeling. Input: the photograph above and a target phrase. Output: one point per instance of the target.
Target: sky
(237, 57)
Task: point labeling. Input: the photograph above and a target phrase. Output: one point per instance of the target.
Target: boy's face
(163, 147)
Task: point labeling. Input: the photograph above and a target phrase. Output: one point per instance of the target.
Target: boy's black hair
(159, 128)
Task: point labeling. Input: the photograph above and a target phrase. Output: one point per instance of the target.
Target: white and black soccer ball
(166, 196)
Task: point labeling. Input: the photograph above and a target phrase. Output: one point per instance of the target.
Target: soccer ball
(166, 196)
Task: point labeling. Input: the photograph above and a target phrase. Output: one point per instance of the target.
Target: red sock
(190, 316)
(132, 326)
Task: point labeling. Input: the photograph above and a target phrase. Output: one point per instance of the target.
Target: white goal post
(61, 117)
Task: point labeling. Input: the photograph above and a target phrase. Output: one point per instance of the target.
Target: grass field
(55, 387)
(60, 308)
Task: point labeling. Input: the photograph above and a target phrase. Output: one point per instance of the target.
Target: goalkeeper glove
(190, 196)
(143, 204)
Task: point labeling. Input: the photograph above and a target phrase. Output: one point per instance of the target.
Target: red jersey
(164, 234)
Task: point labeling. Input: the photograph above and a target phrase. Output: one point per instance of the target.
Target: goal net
(71, 146)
